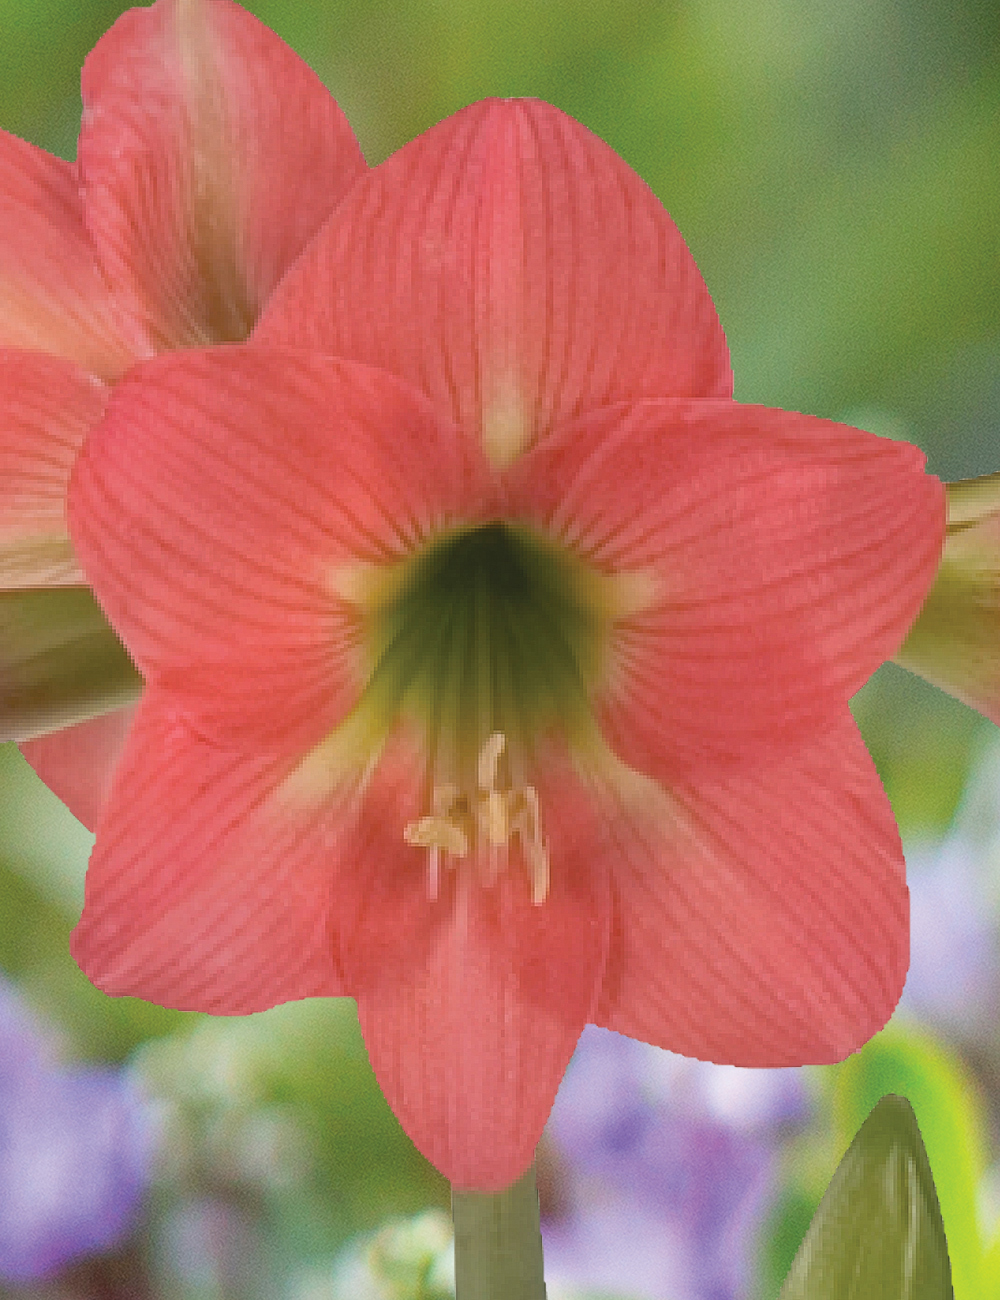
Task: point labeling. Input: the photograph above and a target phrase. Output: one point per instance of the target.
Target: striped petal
(52, 296)
(222, 508)
(47, 408)
(512, 266)
(209, 155)
(225, 909)
(762, 914)
(77, 763)
(766, 562)
(471, 1002)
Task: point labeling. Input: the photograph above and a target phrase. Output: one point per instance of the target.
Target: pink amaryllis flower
(209, 154)
(498, 661)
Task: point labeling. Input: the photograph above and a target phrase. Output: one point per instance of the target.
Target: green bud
(878, 1233)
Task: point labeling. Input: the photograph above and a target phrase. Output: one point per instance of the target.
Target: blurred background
(835, 169)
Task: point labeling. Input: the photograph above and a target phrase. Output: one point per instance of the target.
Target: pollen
(483, 823)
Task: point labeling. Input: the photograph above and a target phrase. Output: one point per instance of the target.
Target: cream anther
(491, 816)
(437, 833)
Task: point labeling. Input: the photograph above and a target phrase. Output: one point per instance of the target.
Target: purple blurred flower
(75, 1150)
(672, 1167)
(954, 978)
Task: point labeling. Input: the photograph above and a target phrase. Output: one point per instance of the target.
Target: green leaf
(60, 662)
(878, 1233)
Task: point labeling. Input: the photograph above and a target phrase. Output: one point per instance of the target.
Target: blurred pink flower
(209, 154)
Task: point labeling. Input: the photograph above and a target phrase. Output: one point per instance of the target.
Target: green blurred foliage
(285, 1102)
(835, 169)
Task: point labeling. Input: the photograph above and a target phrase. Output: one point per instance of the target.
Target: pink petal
(778, 560)
(219, 505)
(471, 1004)
(47, 407)
(77, 763)
(206, 891)
(762, 913)
(52, 296)
(210, 153)
(512, 266)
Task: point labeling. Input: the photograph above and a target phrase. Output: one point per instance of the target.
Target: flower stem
(498, 1243)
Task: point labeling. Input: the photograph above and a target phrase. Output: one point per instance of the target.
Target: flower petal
(775, 560)
(512, 266)
(209, 155)
(762, 914)
(52, 297)
(219, 506)
(955, 642)
(77, 763)
(225, 909)
(471, 1003)
(47, 407)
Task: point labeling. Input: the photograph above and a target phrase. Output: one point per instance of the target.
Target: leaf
(878, 1233)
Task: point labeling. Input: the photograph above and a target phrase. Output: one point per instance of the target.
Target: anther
(493, 818)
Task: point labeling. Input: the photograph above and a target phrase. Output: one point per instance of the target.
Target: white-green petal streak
(60, 662)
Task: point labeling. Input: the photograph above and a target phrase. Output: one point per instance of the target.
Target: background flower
(208, 155)
(954, 976)
(76, 1146)
(670, 1167)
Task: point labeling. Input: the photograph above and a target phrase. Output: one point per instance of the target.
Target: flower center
(488, 639)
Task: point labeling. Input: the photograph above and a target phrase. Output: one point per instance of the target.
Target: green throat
(491, 629)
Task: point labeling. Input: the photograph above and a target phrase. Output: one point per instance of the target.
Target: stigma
(484, 822)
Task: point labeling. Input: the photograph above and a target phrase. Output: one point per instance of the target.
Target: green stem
(498, 1243)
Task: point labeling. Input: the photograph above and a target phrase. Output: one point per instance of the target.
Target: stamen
(437, 832)
(493, 821)
(529, 825)
(489, 758)
(538, 861)
(491, 805)
(493, 818)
